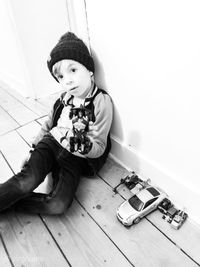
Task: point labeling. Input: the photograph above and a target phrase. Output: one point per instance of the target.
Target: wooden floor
(88, 234)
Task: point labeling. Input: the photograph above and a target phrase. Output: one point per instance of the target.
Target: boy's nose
(68, 81)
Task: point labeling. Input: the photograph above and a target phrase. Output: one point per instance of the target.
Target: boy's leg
(63, 193)
(33, 173)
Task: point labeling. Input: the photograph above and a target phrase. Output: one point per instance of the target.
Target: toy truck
(179, 219)
(165, 205)
(133, 183)
(169, 215)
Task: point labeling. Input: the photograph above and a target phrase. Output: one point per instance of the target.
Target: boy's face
(74, 77)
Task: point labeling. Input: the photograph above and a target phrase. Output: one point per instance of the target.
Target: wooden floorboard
(88, 234)
(14, 149)
(83, 241)
(5, 170)
(28, 241)
(7, 123)
(12, 98)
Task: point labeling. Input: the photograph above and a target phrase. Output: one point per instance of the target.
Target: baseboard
(14, 83)
(180, 194)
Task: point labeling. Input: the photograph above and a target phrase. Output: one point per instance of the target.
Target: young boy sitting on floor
(71, 64)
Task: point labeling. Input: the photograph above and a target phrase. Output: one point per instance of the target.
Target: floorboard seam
(5, 248)
(9, 115)
(46, 226)
(173, 242)
(104, 232)
(7, 162)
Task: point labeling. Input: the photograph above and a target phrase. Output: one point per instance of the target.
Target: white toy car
(135, 208)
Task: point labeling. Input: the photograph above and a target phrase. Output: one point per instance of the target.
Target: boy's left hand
(88, 141)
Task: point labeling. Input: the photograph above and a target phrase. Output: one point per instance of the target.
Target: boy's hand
(66, 140)
(87, 145)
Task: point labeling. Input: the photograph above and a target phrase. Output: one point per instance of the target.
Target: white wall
(147, 56)
(78, 19)
(11, 63)
(39, 25)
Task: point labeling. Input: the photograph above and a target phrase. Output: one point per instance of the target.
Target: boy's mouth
(73, 88)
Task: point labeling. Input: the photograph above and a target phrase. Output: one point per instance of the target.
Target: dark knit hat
(71, 47)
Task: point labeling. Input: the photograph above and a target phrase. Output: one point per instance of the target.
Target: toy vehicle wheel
(127, 226)
(136, 220)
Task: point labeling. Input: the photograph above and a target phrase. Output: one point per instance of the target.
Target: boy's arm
(101, 127)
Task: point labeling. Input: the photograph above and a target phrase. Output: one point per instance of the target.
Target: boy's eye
(73, 70)
(60, 76)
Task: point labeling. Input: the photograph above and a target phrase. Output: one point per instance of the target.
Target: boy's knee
(25, 186)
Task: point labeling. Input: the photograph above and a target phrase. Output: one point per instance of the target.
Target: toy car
(171, 212)
(135, 208)
(165, 205)
(179, 219)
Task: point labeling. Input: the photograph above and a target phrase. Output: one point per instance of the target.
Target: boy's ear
(91, 73)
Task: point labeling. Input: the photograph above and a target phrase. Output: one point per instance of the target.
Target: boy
(71, 64)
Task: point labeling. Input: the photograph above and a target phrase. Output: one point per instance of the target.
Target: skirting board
(181, 195)
(12, 82)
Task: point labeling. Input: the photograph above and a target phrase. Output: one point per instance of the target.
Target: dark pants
(48, 156)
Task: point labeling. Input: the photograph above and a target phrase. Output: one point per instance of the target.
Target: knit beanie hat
(71, 47)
